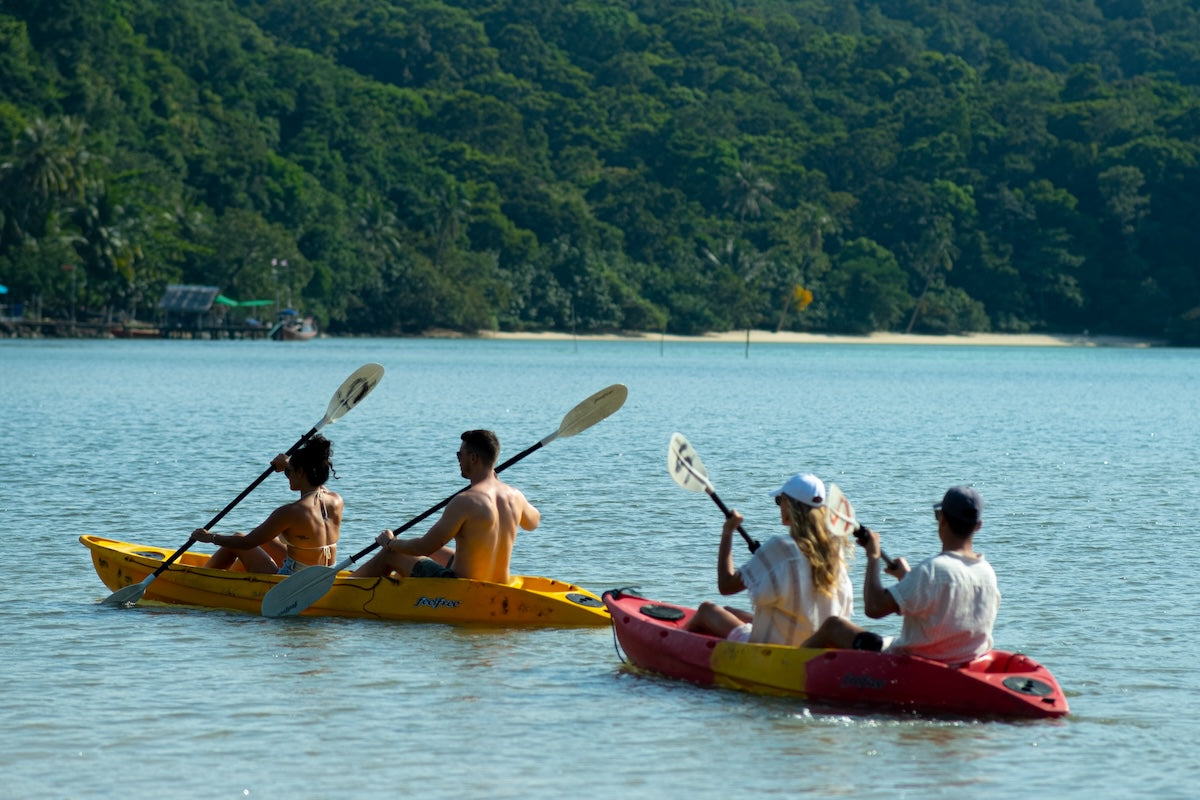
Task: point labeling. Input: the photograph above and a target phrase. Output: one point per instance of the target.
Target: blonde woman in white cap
(795, 580)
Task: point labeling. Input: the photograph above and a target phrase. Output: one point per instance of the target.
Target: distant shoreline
(770, 337)
(56, 329)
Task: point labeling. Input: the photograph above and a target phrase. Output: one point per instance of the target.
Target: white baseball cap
(806, 488)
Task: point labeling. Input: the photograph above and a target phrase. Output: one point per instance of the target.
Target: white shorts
(739, 634)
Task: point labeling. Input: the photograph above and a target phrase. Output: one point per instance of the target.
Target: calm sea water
(1087, 460)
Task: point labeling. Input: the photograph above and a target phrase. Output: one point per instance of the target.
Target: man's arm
(530, 516)
(440, 534)
(877, 601)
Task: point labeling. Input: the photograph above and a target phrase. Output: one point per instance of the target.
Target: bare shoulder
(511, 490)
(290, 513)
(472, 498)
(504, 488)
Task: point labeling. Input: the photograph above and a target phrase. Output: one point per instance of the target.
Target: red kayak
(998, 683)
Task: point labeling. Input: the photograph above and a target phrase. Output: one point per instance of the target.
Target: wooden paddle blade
(599, 406)
(353, 390)
(297, 592)
(842, 521)
(841, 513)
(685, 466)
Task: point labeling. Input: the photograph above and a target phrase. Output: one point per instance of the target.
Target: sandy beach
(770, 337)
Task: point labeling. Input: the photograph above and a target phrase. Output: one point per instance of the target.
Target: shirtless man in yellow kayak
(482, 521)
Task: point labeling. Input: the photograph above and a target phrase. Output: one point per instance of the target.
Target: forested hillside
(687, 165)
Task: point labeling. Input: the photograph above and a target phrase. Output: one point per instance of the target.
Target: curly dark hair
(314, 459)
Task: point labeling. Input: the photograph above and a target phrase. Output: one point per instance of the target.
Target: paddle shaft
(860, 534)
(751, 543)
(429, 511)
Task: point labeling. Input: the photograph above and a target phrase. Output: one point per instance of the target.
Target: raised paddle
(299, 591)
(688, 471)
(349, 394)
(842, 521)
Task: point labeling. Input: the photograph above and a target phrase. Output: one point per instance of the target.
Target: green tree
(867, 288)
(48, 171)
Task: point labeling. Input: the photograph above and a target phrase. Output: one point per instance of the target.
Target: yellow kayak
(528, 601)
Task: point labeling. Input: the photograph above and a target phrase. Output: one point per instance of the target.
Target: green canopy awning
(229, 301)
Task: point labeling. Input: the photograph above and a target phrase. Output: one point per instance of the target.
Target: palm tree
(110, 241)
(938, 252)
(805, 232)
(747, 194)
(380, 232)
(450, 210)
(50, 164)
(741, 258)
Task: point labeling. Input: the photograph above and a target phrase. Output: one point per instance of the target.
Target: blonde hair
(825, 552)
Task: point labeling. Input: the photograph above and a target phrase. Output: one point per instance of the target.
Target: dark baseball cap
(961, 503)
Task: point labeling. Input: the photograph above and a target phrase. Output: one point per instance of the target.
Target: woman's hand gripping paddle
(688, 471)
(297, 592)
(349, 394)
(843, 523)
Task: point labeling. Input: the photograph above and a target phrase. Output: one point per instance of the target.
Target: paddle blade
(842, 521)
(127, 595)
(292, 595)
(599, 406)
(685, 466)
(841, 513)
(353, 390)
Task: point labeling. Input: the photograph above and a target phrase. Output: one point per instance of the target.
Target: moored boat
(528, 601)
(134, 330)
(998, 684)
(290, 328)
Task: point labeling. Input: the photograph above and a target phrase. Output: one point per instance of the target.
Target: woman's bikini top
(327, 550)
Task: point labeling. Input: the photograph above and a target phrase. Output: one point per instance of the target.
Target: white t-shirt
(787, 609)
(949, 605)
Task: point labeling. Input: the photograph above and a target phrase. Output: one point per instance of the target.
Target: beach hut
(188, 306)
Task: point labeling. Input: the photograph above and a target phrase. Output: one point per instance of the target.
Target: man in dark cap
(948, 602)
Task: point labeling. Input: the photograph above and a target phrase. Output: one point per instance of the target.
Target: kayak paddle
(349, 394)
(685, 467)
(842, 521)
(299, 591)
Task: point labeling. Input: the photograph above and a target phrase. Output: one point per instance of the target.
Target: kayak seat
(1000, 661)
(985, 663)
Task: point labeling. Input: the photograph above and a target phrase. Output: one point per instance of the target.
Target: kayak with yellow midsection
(653, 636)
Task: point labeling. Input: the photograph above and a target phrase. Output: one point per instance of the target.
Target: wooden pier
(21, 328)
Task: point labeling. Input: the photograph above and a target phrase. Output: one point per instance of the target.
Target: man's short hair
(484, 444)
